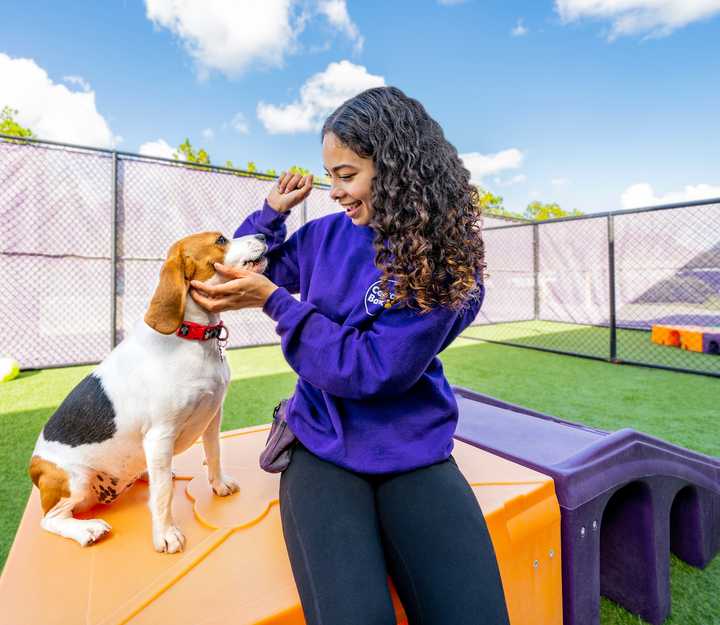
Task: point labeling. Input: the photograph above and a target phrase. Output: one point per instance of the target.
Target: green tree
(492, 204)
(186, 149)
(489, 201)
(538, 211)
(8, 125)
(296, 169)
(250, 169)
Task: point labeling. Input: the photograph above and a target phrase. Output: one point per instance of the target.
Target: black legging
(345, 532)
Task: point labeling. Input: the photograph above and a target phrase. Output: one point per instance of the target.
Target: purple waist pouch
(275, 458)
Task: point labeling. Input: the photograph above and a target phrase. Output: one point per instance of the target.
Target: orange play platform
(235, 567)
(665, 335)
(691, 338)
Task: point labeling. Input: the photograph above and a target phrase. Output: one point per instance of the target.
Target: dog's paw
(224, 486)
(91, 531)
(169, 540)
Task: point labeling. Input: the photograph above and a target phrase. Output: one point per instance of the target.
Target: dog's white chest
(196, 403)
(167, 383)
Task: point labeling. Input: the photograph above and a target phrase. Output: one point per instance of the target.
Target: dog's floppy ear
(167, 306)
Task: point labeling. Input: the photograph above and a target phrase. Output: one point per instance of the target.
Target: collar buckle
(198, 332)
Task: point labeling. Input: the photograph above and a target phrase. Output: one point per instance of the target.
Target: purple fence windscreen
(548, 283)
(55, 218)
(509, 284)
(56, 210)
(159, 203)
(667, 271)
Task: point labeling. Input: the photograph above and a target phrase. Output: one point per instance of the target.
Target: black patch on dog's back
(86, 416)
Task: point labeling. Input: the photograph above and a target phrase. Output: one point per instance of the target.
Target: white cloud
(208, 134)
(79, 81)
(642, 194)
(654, 18)
(481, 165)
(519, 29)
(319, 96)
(239, 123)
(559, 182)
(337, 14)
(229, 36)
(50, 110)
(159, 148)
(507, 182)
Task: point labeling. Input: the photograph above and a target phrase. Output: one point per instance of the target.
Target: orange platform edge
(235, 567)
(686, 337)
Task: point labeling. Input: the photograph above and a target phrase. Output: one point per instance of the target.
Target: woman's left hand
(244, 289)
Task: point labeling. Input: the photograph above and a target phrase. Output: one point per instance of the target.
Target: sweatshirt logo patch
(376, 299)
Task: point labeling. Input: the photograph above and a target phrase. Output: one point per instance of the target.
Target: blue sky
(595, 105)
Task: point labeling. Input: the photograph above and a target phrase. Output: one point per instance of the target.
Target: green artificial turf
(680, 408)
(632, 345)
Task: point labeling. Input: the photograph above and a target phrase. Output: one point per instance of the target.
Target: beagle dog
(154, 394)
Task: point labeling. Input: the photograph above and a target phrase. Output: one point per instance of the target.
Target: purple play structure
(626, 500)
(711, 342)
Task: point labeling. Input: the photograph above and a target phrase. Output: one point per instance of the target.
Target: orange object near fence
(235, 567)
(691, 338)
(665, 335)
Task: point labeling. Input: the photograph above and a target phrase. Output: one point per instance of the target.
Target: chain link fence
(83, 235)
(84, 232)
(596, 286)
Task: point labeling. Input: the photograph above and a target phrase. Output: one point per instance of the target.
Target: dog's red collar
(198, 332)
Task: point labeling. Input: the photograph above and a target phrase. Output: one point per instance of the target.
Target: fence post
(611, 281)
(303, 213)
(536, 269)
(113, 253)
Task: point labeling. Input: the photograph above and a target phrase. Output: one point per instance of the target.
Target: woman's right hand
(291, 189)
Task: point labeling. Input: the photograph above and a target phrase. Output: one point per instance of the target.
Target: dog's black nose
(260, 237)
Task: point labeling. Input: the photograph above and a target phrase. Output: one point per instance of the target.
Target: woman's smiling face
(351, 178)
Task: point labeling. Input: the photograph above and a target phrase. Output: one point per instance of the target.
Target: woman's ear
(167, 306)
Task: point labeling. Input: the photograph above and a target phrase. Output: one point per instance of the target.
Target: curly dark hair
(426, 213)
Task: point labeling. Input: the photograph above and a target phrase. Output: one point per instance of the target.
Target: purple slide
(626, 500)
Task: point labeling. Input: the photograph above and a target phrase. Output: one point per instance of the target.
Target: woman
(385, 286)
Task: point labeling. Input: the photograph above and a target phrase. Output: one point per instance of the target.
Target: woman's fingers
(220, 304)
(307, 186)
(236, 285)
(293, 183)
(231, 272)
(233, 287)
(200, 287)
(295, 186)
(289, 183)
(208, 303)
(209, 290)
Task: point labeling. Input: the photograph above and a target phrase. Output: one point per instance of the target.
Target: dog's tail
(52, 481)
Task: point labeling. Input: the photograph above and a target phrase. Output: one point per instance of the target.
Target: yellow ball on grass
(9, 369)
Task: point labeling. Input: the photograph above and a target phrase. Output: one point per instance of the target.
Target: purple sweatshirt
(371, 395)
